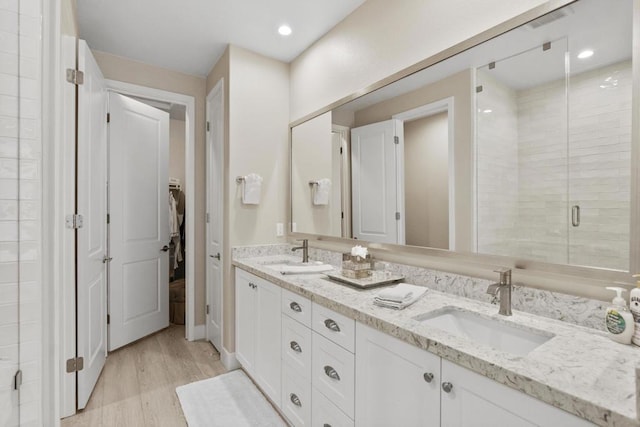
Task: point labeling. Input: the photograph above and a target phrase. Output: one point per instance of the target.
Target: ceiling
(190, 35)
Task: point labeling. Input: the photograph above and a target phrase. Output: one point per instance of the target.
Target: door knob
(216, 256)
(165, 248)
(106, 259)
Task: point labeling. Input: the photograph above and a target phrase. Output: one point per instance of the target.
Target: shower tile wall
(592, 170)
(20, 216)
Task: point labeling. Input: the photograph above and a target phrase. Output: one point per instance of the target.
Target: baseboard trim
(199, 332)
(229, 360)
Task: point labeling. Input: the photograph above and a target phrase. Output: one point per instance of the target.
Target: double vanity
(325, 355)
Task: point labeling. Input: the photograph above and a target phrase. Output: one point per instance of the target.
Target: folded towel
(251, 189)
(310, 269)
(412, 294)
(399, 293)
(321, 193)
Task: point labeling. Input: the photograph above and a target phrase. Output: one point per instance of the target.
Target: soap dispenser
(619, 320)
(634, 305)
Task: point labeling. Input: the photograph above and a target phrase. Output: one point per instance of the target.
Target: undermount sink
(286, 266)
(485, 330)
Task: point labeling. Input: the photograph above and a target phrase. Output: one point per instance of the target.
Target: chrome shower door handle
(575, 215)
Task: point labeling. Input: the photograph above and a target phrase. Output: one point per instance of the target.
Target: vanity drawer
(334, 373)
(297, 307)
(326, 414)
(296, 397)
(334, 326)
(296, 346)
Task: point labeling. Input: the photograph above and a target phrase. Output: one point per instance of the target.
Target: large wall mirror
(520, 146)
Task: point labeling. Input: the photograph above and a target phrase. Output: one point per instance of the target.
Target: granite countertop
(579, 370)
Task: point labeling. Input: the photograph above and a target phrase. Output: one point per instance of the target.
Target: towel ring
(312, 183)
(240, 179)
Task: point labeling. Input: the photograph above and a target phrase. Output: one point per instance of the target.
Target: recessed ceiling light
(284, 30)
(585, 54)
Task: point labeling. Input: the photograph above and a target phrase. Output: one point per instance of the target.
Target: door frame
(440, 106)
(191, 331)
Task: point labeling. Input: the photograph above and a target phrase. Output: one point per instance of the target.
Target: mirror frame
(464, 262)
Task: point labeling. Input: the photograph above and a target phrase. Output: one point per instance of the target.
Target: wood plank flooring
(137, 385)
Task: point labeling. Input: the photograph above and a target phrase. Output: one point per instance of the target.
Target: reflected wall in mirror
(520, 146)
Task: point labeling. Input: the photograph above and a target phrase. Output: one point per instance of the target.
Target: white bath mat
(227, 400)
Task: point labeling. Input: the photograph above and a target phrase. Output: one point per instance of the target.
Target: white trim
(199, 332)
(190, 141)
(345, 168)
(441, 106)
(229, 360)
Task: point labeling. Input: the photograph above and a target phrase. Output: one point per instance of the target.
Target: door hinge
(108, 319)
(479, 89)
(75, 365)
(73, 221)
(340, 150)
(17, 380)
(396, 140)
(397, 216)
(208, 217)
(546, 46)
(207, 308)
(75, 77)
(108, 219)
(208, 126)
(108, 117)
(342, 215)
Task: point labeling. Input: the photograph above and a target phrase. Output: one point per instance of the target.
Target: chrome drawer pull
(447, 387)
(295, 347)
(331, 373)
(428, 377)
(295, 307)
(331, 324)
(295, 400)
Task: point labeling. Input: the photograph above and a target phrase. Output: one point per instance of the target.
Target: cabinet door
(268, 339)
(475, 400)
(397, 384)
(245, 320)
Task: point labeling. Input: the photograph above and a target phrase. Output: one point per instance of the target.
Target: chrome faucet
(305, 249)
(504, 287)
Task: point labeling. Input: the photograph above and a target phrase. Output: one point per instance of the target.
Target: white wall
(20, 207)
(177, 151)
(381, 38)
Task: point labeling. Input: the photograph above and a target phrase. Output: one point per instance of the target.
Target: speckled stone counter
(579, 370)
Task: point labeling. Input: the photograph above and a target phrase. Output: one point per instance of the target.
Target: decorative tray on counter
(377, 278)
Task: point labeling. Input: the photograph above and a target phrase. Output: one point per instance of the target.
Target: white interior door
(215, 163)
(91, 305)
(377, 182)
(139, 220)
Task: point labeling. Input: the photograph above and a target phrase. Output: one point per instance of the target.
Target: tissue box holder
(356, 267)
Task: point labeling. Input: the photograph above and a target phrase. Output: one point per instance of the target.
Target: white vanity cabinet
(473, 400)
(399, 384)
(259, 331)
(396, 383)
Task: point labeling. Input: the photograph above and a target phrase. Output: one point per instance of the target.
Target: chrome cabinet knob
(295, 399)
(428, 377)
(447, 387)
(295, 307)
(331, 324)
(295, 347)
(331, 373)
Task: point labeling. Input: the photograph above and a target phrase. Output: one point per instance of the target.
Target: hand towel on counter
(399, 296)
(321, 193)
(311, 269)
(251, 189)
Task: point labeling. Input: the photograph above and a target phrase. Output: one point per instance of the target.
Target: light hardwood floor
(137, 385)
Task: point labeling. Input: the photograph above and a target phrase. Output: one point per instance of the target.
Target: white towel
(321, 193)
(310, 269)
(399, 296)
(251, 189)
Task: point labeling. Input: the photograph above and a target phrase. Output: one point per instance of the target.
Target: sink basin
(298, 267)
(485, 330)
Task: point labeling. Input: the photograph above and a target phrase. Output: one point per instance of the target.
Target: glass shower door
(521, 155)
